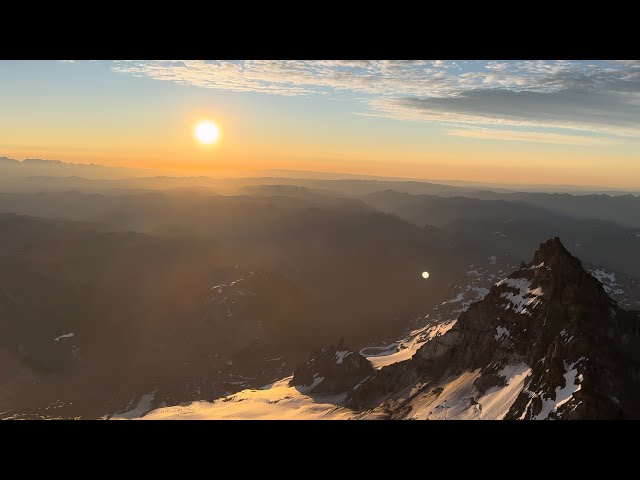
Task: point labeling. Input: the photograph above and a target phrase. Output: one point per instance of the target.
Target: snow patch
(540, 265)
(143, 406)
(497, 401)
(603, 275)
(526, 298)
(608, 281)
(316, 381)
(502, 332)
(68, 335)
(562, 394)
(341, 355)
(458, 298)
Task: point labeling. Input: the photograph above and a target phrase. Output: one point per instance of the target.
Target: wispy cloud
(524, 136)
(602, 97)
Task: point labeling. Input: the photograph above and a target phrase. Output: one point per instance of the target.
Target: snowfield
(277, 401)
(405, 348)
(456, 401)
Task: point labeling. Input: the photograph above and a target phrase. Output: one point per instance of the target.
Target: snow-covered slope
(280, 401)
(274, 401)
(404, 348)
(623, 288)
(457, 400)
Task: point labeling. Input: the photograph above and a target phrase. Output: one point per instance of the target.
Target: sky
(512, 122)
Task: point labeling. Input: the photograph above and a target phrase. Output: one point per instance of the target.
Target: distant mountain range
(35, 167)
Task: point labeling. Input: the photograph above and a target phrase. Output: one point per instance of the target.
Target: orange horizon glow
(173, 150)
(497, 170)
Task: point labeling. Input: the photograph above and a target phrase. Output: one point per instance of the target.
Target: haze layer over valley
(122, 293)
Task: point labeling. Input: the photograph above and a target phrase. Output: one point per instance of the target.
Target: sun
(207, 132)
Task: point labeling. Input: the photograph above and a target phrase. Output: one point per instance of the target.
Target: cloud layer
(579, 98)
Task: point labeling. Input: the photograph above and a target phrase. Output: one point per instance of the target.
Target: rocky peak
(333, 369)
(552, 251)
(522, 313)
(550, 318)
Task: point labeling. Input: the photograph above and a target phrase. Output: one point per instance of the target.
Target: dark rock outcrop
(333, 369)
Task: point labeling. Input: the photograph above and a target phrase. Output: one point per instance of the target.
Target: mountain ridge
(551, 319)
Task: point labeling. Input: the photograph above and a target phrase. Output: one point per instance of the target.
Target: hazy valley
(123, 295)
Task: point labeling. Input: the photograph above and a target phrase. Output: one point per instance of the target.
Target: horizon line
(353, 176)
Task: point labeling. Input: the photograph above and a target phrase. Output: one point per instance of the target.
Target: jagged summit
(553, 252)
(550, 250)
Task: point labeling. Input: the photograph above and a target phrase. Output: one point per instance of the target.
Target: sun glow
(207, 132)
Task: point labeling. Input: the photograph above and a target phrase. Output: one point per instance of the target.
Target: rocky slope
(332, 370)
